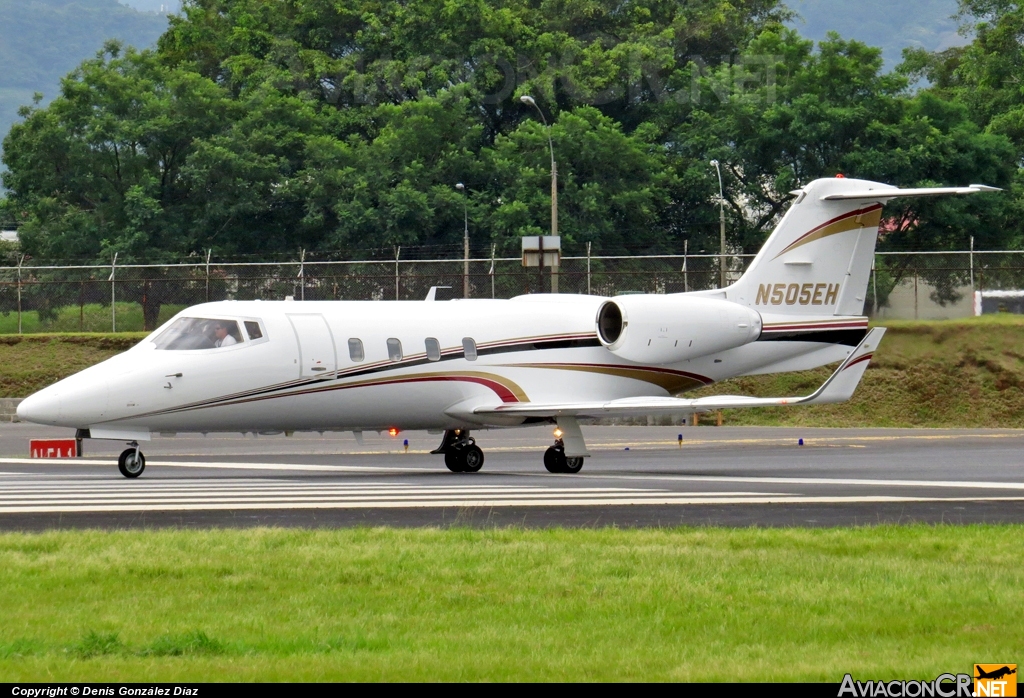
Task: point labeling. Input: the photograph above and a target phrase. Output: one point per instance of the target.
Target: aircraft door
(316, 344)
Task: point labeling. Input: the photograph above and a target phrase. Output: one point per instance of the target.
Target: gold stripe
(511, 386)
(672, 383)
(855, 221)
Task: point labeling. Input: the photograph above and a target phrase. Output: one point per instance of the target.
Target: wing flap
(839, 387)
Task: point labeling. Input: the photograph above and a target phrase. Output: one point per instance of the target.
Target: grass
(31, 362)
(91, 317)
(455, 604)
(953, 373)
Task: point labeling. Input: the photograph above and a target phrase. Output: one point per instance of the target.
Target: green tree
(832, 111)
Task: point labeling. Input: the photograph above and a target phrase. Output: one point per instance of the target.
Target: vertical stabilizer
(818, 260)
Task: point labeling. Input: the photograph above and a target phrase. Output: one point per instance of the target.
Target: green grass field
(510, 604)
(91, 317)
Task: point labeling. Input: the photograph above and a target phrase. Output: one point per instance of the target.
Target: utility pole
(527, 99)
(721, 225)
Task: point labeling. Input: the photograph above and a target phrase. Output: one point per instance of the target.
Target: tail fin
(818, 260)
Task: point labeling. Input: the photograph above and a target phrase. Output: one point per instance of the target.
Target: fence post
(492, 269)
(686, 272)
(398, 252)
(972, 264)
(302, 275)
(915, 294)
(20, 260)
(113, 297)
(588, 269)
(208, 253)
(874, 287)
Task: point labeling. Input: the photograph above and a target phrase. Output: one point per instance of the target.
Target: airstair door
(316, 344)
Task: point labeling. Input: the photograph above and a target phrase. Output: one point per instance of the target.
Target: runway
(637, 476)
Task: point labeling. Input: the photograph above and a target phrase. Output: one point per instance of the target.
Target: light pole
(721, 224)
(465, 239)
(527, 99)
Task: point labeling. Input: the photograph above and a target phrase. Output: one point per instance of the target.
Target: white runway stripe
(478, 503)
(285, 467)
(958, 484)
(45, 496)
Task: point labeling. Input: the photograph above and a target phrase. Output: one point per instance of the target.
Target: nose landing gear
(131, 462)
(461, 454)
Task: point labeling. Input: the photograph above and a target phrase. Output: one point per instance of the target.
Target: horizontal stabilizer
(838, 388)
(884, 194)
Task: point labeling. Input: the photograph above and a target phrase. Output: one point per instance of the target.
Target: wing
(887, 193)
(838, 388)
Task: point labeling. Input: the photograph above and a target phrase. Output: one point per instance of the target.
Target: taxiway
(638, 476)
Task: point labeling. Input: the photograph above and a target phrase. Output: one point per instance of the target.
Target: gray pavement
(637, 476)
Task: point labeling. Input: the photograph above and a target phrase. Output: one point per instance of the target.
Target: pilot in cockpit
(223, 338)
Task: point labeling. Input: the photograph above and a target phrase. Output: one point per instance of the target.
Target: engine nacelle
(656, 329)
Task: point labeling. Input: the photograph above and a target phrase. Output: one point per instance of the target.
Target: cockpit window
(253, 329)
(199, 333)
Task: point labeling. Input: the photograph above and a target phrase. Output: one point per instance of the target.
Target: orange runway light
(393, 431)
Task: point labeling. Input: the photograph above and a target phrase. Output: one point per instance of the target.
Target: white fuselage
(301, 374)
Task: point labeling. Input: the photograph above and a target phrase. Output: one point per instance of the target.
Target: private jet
(464, 365)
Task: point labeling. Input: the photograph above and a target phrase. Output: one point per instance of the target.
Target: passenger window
(394, 349)
(433, 349)
(253, 329)
(469, 348)
(355, 349)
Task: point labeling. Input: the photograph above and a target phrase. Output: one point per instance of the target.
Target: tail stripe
(867, 217)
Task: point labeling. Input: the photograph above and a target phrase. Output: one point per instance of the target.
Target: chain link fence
(140, 297)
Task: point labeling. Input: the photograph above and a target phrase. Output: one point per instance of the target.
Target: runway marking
(970, 484)
(479, 503)
(214, 464)
(49, 494)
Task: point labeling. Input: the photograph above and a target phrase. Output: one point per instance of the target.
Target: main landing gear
(131, 462)
(461, 454)
(556, 461)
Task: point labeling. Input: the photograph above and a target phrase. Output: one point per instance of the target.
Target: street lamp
(527, 99)
(721, 224)
(465, 239)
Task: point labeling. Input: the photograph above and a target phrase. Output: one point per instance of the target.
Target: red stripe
(866, 357)
(837, 326)
(504, 393)
(651, 369)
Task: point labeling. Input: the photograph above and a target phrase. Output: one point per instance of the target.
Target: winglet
(841, 384)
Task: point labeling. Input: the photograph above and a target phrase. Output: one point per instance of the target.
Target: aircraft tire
(453, 460)
(555, 460)
(573, 465)
(472, 458)
(127, 464)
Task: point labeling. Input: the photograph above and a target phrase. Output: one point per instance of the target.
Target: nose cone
(42, 408)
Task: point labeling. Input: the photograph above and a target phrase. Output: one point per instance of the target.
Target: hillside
(43, 40)
(957, 373)
(966, 373)
(892, 26)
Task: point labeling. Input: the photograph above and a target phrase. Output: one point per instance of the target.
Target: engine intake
(665, 329)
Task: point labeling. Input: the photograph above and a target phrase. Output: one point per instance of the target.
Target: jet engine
(656, 329)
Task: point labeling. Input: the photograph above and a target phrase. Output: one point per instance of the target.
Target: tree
(832, 111)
